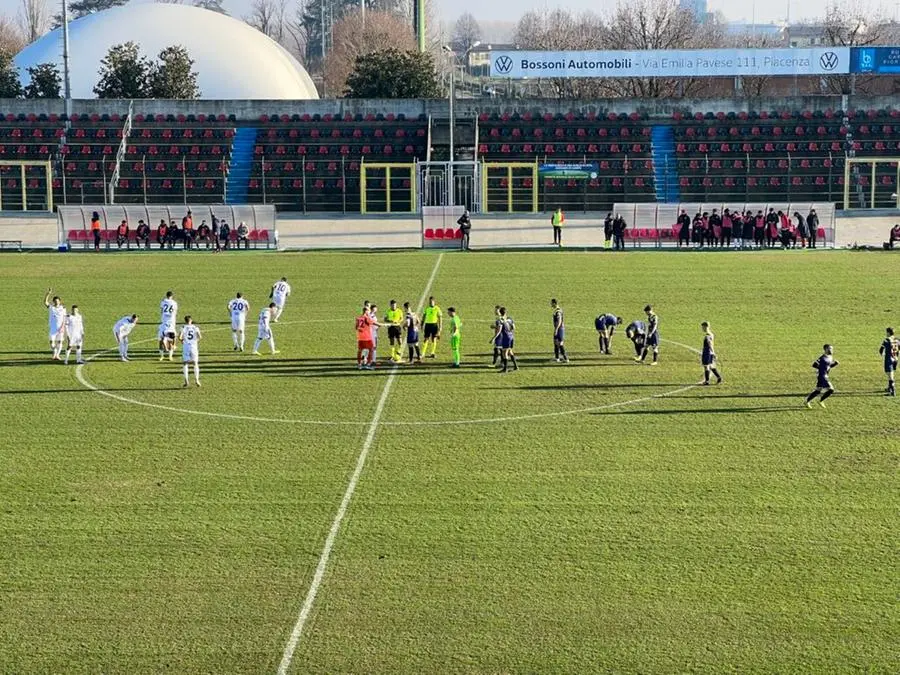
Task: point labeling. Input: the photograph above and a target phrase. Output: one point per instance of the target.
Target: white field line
(325, 556)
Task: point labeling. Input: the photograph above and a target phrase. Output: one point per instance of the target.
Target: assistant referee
(433, 321)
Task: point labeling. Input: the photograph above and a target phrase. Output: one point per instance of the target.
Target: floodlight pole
(67, 86)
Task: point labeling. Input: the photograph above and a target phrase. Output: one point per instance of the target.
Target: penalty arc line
(325, 556)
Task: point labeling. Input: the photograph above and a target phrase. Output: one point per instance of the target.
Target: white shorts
(124, 332)
(189, 354)
(264, 334)
(75, 340)
(279, 301)
(165, 328)
(238, 323)
(55, 335)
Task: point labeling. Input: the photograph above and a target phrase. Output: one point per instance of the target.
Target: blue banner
(876, 60)
(569, 170)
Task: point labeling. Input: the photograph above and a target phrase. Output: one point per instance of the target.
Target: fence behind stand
(74, 222)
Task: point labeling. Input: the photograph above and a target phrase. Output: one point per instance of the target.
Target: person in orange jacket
(96, 230)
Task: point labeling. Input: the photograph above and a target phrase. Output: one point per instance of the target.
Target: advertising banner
(672, 63)
(586, 170)
(878, 60)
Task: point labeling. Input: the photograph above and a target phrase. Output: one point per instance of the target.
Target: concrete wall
(250, 111)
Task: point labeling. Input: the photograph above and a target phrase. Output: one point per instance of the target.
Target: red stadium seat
(429, 233)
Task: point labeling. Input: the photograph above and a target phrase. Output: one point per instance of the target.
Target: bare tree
(270, 18)
(34, 19)
(353, 38)
(11, 39)
(755, 86)
(466, 32)
(853, 24)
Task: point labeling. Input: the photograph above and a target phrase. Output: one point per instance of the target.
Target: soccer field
(594, 516)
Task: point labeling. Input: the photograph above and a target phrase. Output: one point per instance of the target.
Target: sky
(765, 11)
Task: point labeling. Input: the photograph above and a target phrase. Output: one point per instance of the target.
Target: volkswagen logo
(503, 65)
(828, 61)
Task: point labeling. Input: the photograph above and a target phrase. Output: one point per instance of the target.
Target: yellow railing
(505, 199)
(398, 193)
(23, 180)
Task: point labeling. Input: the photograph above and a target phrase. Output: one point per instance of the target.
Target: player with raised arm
(121, 331)
(190, 349)
(606, 326)
(264, 329)
(708, 355)
(651, 341)
(559, 333)
(74, 335)
(890, 350)
(57, 323)
(168, 317)
(281, 289)
(823, 366)
(394, 320)
(433, 321)
(238, 309)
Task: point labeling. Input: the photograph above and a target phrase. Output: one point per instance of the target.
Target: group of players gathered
(410, 336)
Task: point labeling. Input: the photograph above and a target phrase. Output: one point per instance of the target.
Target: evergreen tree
(211, 5)
(173, 76)
(391, 73)
(123, 73)
(10, 87)
(46, 81)
(81, 8)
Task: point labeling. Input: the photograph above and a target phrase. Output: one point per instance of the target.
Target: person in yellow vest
(557, 220)
(394, 320)
(433, 319)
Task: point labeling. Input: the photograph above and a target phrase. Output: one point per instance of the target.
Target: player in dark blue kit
(823, 366)
(559, 333)
(651, 342)
(606, 326)
(890, 350)
(708, 355)
(504, 339)
(637, 333)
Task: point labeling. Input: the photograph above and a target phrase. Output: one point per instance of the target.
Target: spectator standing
(812, 222)
(771, 227)
(96, 230)
(242, 233)
(619, 227)
(786, 235)
(801, 229)
(697, 230)
(714, 231)
(747, 230)
(557, 220)
(727, 226)
(224, 233)
(607, 230)
(122, 233)
(759, 230)
(706, 230)
(187, 229)
(684, 229)
(465, 227)
(142, 234)
(215, 231)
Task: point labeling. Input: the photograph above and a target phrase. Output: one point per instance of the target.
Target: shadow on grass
(82, 390)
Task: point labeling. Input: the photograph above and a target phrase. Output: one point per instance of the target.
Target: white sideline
(305, 610)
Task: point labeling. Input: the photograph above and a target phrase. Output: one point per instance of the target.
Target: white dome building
(232, 60)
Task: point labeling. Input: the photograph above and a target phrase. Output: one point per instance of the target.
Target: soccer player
(495, 340)
(559, 333)
(504, 338)
(57, 318)
(433, 318)
(74, 335)
(411, 323)
(365, 345)
(238, 309)
(168, 313)
(264, 329)
(394, 320)
(637, 333)
(279, 294)
(890, 350)
(651, 341)
(455, 325)
(606, 326)
(373, 313)
(823, 366)
(190, 348)
(708, 355)
(121, 331)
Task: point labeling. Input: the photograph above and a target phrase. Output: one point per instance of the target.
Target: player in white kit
(373, 313)
(279, 294)
(190, 348)
(264, 329)
(168, 313)
(122, 330)
(57, 319)
(74, 334)
(238, 309)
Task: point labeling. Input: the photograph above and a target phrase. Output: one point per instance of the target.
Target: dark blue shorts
(560, 335)
(890, 366)
(653, 340)
(708, 359)
(505, 342)
(823, 383)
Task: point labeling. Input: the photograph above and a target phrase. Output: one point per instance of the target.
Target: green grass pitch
(599, 516)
